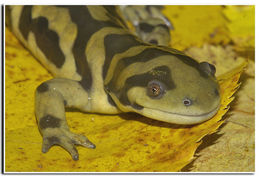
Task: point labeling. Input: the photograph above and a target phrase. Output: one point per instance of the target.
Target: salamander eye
(208, 68)
(187, 102)
(155, 89)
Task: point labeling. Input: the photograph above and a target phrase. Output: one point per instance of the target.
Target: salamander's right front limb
(51, 99)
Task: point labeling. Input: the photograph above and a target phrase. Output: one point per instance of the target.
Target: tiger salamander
(100, 66)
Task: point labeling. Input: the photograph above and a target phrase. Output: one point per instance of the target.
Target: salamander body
(100, 66)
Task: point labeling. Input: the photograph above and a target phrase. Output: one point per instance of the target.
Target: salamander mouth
(176, 118)
(189, 115)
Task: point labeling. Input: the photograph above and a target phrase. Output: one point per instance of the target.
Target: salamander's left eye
(208, 68)
(187, 102)
(155, 89)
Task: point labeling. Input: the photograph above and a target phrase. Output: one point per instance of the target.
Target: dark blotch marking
(46, 39)
(153, 41)
(117, 43)
(25, 21)
(53, 140)
(148, 9)
(144, 56)
(49, 121)
(8, 19)
(145, 27)
(43, 88)
(65, 103)
(142, 80)
(86, 26)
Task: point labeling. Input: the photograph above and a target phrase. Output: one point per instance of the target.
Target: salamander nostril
(216, 92)
(187, 102)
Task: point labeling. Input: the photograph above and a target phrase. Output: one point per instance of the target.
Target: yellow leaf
(241, 24)
(195, 25)
(126, 142)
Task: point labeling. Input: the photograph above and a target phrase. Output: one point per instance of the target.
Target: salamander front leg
(51, 99)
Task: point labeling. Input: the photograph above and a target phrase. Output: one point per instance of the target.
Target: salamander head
(168, 87)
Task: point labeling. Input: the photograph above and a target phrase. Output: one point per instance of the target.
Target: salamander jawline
(184, 119)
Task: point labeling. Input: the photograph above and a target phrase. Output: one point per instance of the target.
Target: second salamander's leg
(51, 99)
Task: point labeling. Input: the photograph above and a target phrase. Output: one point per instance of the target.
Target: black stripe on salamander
(146, 55)
(117, 43)
(49, 121)
(25, 21)
(141, 80)
(86, 26)
(43, 87)
(8, 18)
(160, 73)
(145, 27)
(46, 39)
(112, 10)
(111, 101)
(150, 53)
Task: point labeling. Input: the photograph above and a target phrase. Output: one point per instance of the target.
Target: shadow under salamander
(152, 122)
